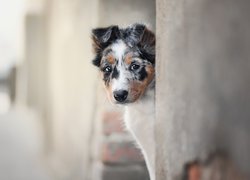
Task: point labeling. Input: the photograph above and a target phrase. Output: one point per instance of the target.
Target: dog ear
(147, 39)
(133, 33)
(139, 34)
(144, 39)
(102, 37)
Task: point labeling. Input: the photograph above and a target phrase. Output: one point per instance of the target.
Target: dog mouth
(122, 103)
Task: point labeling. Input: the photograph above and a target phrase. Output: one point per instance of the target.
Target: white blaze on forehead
(119, 49)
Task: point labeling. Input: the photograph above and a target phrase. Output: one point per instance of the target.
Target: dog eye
(134, 67)
(107, 69)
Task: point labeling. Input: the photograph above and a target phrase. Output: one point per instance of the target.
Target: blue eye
(134, 67)
(107, 69)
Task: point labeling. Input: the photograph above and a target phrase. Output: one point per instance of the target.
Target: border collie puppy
(126, 59)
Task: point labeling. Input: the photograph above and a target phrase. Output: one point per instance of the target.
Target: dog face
(126, 59)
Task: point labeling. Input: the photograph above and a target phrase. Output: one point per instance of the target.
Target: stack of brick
(120, 157)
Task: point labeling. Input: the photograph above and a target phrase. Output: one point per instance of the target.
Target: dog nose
(120, 95)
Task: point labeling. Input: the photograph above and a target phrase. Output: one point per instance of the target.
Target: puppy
(126, 59)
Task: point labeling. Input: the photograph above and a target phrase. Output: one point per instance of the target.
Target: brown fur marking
(110, 58)
(128, 59)
(138, 88)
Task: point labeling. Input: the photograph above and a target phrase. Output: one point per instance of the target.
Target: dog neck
(140, 120)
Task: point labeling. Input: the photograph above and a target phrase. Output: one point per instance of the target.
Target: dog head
(126, 59)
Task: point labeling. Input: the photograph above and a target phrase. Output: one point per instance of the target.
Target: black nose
(120, 95)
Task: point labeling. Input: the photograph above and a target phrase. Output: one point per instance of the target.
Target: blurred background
(55, 120)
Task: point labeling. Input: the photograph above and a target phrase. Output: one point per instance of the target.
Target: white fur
(139, 116)
(140, 120)
(121, 83)
(119, 49)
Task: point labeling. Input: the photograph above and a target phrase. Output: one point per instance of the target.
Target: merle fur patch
(136, 36)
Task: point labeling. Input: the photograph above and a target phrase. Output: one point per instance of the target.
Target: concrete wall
(203, 84)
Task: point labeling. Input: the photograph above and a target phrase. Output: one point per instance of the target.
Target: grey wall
(203, 84)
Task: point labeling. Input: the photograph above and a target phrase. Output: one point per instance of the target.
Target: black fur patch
(106, 78)
(115, 73)
(143, 74)
(106, 36)
(97, 60)
(147, 56)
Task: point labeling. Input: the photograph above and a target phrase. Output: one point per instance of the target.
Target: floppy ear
(139, 34)
(133, 33)
(146, 45)
(102, 37)
(147, 39)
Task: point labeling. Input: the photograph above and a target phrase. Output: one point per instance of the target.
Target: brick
(121, 151)
(133, 172)
(112, 123)
(193, 171)
(216, 167)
